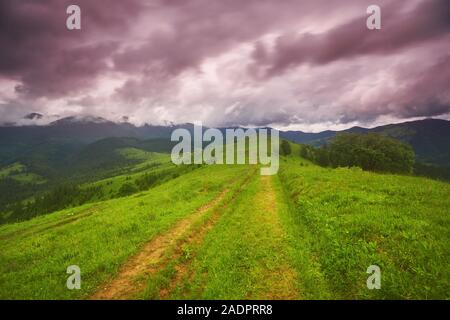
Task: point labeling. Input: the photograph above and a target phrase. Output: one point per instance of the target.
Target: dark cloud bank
(249, 62)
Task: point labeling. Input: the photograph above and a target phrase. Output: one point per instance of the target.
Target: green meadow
(98, 237)
(226, 232)
(353, 219)
(18, 172)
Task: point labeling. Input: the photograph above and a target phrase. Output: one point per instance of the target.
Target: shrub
(285, 148)
(127, 189)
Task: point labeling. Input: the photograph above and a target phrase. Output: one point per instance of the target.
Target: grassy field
(18, 172)
(353, 219)
(245, 255)
(98, 237)
(11, 169)
(225, 232)
(158, 165)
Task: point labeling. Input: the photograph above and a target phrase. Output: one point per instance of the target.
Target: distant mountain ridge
(430, 138)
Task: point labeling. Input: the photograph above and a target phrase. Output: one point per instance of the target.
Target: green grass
(353, 219)
(11, 169)
(335, 224)
(311, 280)
(110, 186)
(145, 157)
(97, 237)
(19, 173)
(149, 162)
(308, 233)
(28, 178)
(246, 255)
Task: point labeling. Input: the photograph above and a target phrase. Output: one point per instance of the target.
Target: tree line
(60, 197)
(372, 152)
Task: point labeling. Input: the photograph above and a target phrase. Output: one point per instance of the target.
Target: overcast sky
(297, 64)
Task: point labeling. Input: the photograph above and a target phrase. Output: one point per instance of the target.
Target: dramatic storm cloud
(290, 63)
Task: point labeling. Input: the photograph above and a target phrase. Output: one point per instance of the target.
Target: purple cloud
(255, 62)
(426, 22)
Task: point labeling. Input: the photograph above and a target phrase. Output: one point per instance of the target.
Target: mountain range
(430, 138)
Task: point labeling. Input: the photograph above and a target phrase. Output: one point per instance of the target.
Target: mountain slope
(17, 141)
(430, 138)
